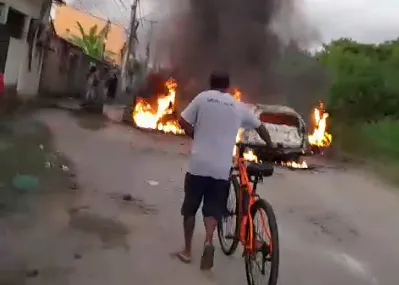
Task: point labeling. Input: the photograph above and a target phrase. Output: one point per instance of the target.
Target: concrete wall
(17, 75)
(28, 7)
(54, 79)
(28, 80)
(65, 74)
(16, 48)
(4, 13)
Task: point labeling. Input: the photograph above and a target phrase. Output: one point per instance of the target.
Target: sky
(362, 20)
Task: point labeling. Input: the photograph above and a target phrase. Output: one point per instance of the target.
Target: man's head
(92, 69)
(219, 81)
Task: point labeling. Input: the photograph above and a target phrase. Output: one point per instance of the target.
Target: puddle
(89, 121)
(111, 232)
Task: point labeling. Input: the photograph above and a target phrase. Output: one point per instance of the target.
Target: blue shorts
(212, 192)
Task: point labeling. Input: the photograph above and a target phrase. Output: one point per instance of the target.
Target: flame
(147, 117)
(293, 164)
(250, 156)
(320, 137)
(237, 95)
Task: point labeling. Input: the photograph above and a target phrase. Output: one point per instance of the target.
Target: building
(65, 24)
(23, 34)
(65, 67)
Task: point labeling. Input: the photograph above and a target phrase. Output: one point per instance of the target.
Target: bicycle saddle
(264, 169)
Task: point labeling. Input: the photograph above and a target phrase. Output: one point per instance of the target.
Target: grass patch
(26, 149)
(375, 144)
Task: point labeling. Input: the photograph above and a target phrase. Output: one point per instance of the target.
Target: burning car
(287, 129)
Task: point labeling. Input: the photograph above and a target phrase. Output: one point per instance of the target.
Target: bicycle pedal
(265, 248)
(229, 237)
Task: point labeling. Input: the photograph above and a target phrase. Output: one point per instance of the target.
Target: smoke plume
(245, 38)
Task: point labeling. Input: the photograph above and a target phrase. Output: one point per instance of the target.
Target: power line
(124, 5)
(140, 14)
(82, 8)
(85, 11)
(120, 9)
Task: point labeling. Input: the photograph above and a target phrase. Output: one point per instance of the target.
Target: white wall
(4, 14)
(28, 80)
(16, 49)
(17, 72)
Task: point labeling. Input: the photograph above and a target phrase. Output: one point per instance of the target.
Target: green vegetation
(364, 97)
(93, 42)
(27, 161)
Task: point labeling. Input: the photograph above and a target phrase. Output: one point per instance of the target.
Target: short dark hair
(219, 80)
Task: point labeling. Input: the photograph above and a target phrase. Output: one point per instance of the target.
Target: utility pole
(129, 55)
(148, 47)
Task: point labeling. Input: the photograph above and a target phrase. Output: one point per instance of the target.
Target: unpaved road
(336, 227)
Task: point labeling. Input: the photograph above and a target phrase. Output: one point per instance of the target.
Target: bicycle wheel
(256, 264)
(228, 226)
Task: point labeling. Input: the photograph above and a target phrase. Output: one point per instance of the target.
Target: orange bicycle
(241, 217)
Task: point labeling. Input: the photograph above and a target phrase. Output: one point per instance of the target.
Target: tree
(93, 42)
(364, 79)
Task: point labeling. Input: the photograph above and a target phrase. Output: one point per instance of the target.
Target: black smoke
(234, 35)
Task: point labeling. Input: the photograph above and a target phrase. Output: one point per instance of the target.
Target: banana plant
(92, 42)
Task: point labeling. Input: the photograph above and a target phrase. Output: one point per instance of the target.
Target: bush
(364, 80)
(376, 144)
(378, 140)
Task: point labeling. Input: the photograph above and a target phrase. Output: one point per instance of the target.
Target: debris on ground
(73, 186)
(127, 197)
(77, 256)
(32, 273)
(25, 183)
(65, 168)
(153, 182)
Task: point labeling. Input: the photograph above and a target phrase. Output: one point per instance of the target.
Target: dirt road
(336, 226)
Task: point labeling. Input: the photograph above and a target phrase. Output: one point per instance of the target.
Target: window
(15, 23)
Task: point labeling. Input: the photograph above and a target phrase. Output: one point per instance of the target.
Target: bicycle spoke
(227, 227)
(260, 265)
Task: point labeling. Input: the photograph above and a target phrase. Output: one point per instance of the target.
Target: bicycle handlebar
(258, 146)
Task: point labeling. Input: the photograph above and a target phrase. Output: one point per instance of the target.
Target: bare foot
(207, 257)
(183, 256)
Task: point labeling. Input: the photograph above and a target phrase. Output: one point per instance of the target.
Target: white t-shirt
(216, 118)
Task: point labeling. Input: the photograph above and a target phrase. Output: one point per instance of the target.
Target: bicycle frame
(247, 185)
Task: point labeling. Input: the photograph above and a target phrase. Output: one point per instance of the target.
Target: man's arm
(188, 117)
(251, 121)
(188, 129)
(264, 135)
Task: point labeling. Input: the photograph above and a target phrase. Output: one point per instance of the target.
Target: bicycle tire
(275, 256)
(229, 250)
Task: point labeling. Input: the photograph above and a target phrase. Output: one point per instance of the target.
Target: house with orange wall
(65, 26)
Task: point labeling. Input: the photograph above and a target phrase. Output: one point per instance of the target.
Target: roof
(279, 109)
(65, 26)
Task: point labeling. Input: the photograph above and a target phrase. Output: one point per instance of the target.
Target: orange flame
(237, 95)
(147, 117)
(320, 137)
(293, 164)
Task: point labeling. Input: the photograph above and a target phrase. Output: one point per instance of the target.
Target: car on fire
(287, 129)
